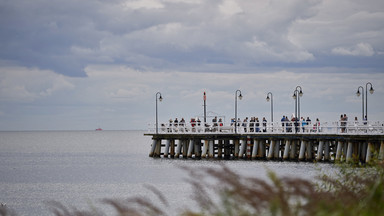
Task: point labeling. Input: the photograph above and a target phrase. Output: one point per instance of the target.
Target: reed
(221, 191)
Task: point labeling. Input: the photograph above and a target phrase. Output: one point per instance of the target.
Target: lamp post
(270, 93)
(160, 99)
(366, 98)
(371, 90)
(240, 97)
(296, 96)
(362, 100)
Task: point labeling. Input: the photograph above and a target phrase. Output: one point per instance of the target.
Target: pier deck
(274, 141)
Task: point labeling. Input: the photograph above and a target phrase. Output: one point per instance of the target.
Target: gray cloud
(66, 36)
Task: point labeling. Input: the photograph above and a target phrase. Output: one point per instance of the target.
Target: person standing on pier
(257, 124)
(245, 124)
(343, 122)
(214, 121)
(170, 125)
(303, 123)
(264, 124)
(252, 124)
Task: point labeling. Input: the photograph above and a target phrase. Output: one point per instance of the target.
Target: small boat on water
(99, 129)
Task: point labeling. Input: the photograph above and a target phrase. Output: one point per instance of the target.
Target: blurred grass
(353, 190)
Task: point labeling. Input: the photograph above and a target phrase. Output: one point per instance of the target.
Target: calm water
(79, 168)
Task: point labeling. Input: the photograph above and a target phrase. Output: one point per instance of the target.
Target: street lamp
(240, 97)
(270, 93)
(366, 98)
(371, 90)
(160, 99)
(296, 96)
(362, 100)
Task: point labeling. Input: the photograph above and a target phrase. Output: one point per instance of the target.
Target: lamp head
(301, 93)
(371, 90)
(240, 96)
(358, 93)
(294, 95)
(268, 98)
(160, 98)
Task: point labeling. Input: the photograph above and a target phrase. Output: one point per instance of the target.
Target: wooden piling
(152, 152)
(272, 146)
(286, 149)
(166, 150)
(320, 150)
(302, 150)
(349, 152)
(370, 150)
(381, 151)
(210, 153)
(190, 148)
(255, 148)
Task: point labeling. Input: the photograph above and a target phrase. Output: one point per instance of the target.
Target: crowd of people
(253, 124)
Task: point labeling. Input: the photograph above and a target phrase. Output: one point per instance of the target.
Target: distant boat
(99, 129)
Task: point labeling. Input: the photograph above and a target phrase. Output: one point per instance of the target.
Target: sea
(80, 169)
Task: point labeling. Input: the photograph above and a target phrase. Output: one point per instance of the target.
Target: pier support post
(197, 148)
(326, 151)
(286, 149)
(227, 152)
(178, 148)
(363, 149)
(262, 150)
(158, 148)
(172, 152)
(271, 148)
(276, 151)
(210, 153)
(152, 152)
(338, 150)
(302, 150)
(249, 147)
(381, 152)
(220, 149)
(185, 148)
(205, 148)
(243, 144)
(292, 155)
(319, 155)
(349, 152)
(255, 148)
(345, 149)
(190, 148)
(309, 148)
(370, 149)
(166, 151)
(236, 148)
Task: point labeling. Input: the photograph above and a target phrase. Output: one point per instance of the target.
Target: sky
(80, 65)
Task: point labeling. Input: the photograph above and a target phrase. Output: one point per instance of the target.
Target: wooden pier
(330, 143)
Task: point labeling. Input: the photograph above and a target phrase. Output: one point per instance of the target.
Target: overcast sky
(79, 65)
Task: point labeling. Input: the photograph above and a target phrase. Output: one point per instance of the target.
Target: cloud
(146, 4)
(173, 34)
(120, 97)
(230, 7)
(361, 49)
(351, 28)
(20, 84)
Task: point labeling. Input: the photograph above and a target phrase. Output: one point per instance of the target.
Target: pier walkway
(319, 141)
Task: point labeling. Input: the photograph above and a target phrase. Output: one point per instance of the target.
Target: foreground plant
(352, 191)
(221, 191)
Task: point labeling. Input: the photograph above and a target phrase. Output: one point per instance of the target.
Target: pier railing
(287, 127)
